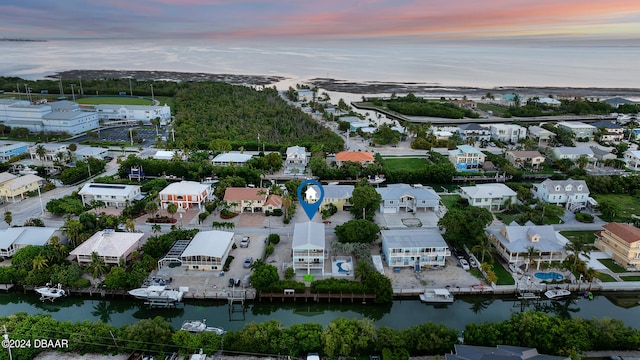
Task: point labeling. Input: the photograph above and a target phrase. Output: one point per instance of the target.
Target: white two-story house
(572, 194)
(296, 161)
(508, 133)
(415, 248)
(493, 197)
(308, 248)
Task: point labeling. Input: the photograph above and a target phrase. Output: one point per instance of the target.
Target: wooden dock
(317, 297)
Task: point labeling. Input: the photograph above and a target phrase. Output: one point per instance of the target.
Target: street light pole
(130, 88)
(73, 94)
(152, 98)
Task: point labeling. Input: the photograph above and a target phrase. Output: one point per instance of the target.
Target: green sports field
(115, 100)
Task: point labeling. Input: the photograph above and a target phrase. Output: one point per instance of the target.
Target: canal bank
(399, 314)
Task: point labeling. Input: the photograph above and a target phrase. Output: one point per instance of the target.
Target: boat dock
(291, 295)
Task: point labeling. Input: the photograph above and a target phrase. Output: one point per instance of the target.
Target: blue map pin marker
(310, 208)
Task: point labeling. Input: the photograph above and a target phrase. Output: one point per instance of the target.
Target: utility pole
(152, 98)
(173, 135)
(130, 88)
(73, 94)
(81, 91)
(61, 88)
(18, 87)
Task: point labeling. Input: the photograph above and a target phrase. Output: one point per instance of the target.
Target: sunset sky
(326, 19)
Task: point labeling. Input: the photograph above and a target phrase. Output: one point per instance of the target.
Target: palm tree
(97, 267)
(130, 225)
(531, 255)
(41, 151)
(39, 262)
(172, 209)
(8, 218)
(582, 161)
(156, 228)
(484, 248)
(578, 246)
(151, 207)
(73, 229)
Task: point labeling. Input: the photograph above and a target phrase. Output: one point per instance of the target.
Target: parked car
(464, 264)
(473, 262)
(231, 282)
(244, 243)
(247, 262)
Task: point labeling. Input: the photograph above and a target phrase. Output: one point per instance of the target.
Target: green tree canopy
(357, 231)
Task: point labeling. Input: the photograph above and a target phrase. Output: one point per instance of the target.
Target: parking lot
(146, 135)
(216, 284)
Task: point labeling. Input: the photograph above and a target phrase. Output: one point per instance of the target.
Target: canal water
(398, 315)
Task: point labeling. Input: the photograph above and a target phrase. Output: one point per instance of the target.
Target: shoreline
(349, 86)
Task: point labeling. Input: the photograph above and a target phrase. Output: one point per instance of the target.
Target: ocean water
(438, 64)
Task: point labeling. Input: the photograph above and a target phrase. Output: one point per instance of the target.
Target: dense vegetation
(415, 106)
(246, 117)
(563, 336)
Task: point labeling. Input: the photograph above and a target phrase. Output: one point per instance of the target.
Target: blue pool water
(549, 276)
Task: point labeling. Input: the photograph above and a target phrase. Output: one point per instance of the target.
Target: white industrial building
(42, 116)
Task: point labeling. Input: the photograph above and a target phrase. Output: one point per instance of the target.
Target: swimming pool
(549, 276)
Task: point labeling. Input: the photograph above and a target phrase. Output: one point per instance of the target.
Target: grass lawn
(590, 236)
(114, 100)
(405, 163)
(611, 265)
(606, 278)
(506, 218)
(449, 200)
(627, 204)
(504, 277)
(497, 110)
(630, 278)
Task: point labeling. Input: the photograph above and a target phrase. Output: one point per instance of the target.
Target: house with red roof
(362, 157)
(621, 242)
(248, 199)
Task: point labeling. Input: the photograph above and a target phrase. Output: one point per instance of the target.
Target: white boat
(436, 296)
(197, 326)
(158, 294)
(557, 293)
(48, 292)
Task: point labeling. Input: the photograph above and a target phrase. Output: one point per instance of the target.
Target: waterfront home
(466, 158)
(474, 131)
(362, 157)
(9, 150)
(231, 158)
(296, 160)
(84, 153)
(208, 250)
(415, 248)
(308, 248)
(17, 188)
(247, 199)
(541, 135)
(113, 247)
(397, 198)
(502, 352)
(508, 133)
(571, 153)
(547, 101)
(514, 242)
(608, 131)
(112, 195)
(493, 197)
(621, 242)
(572, 194)
(579, 129)
(185, 195)
(305, 95)
(50, 152)
(15, 238)
(632, 158)
(530, 159)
